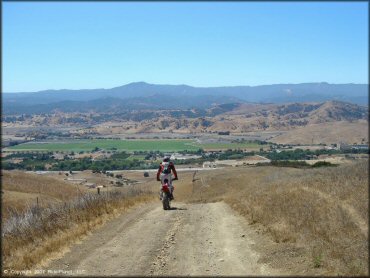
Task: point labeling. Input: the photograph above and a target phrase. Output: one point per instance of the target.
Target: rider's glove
(158, 180)
(175, 179)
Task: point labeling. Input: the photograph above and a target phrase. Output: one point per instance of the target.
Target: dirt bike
(165, 195)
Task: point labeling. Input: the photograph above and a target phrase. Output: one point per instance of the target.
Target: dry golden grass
(31, 245)
(33, 183)
(32, 234)
(324, 211)
(31, 249)
(21, 190)
(332, 132)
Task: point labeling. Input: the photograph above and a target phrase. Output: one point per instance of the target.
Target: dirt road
(192, 239)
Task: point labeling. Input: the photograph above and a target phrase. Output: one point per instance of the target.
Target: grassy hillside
(335, 132)
(21, 190)
(316, 217)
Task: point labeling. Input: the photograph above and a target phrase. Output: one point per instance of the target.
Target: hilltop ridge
(141, 95)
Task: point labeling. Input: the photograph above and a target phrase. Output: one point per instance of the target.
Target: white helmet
(166, 158)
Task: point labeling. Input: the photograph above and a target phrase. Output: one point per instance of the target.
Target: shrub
(324, 164)
(119, 183)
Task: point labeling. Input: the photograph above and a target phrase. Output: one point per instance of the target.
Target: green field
(108, 144)
(223, 146)
(164, 145)
(137, 157)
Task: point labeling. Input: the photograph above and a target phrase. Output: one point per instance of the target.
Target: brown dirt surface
(191, 239)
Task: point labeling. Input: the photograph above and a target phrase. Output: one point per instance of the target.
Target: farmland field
(108, 144)
(222, 146)
(127, 145)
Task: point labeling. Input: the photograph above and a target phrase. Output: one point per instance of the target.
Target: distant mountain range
(144, 96)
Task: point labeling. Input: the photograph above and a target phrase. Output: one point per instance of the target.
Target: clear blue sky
(64, 45)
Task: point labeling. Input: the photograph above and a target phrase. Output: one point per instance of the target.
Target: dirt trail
(192, 239)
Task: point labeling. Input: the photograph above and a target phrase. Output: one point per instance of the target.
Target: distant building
(252, 160)
(209, 164)
(360, 147)
(343, 147)
(184, 156)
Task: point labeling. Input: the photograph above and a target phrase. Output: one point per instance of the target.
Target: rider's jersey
(166, 168)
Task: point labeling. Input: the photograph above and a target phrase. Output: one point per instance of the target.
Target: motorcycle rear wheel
(166, 202)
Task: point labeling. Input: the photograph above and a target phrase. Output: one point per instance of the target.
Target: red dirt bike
(165, 194)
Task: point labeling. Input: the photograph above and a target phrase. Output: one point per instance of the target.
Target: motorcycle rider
(164, 172)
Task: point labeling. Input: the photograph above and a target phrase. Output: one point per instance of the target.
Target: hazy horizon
(167, 84)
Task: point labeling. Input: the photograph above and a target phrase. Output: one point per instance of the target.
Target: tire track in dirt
(192, 239)
(162, 258)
